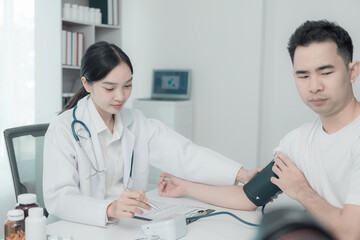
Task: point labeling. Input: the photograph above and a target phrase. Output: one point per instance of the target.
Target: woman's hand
(171, 186)
(128, 204)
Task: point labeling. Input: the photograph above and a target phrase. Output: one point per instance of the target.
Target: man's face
(322, 79)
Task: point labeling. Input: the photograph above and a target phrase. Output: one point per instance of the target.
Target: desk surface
(215, 227)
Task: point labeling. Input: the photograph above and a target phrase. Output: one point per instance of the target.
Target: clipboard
(167, 210)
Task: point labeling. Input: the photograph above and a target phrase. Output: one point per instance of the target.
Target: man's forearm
(224, 196)
(339, 224)
(343, 223)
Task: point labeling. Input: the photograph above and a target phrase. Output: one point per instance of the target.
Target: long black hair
(98, 60)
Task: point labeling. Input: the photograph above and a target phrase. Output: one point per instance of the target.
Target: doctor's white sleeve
(177, 155)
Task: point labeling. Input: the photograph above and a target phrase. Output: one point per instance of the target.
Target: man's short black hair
(321, 31)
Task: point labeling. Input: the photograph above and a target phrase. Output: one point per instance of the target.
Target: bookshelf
(92, 33)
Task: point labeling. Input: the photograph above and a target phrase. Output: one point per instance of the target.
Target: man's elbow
(253, 208)
(246, 205)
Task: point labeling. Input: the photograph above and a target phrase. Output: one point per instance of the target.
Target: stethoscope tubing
(75, 121)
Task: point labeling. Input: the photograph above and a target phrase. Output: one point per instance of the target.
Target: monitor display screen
(171, 84)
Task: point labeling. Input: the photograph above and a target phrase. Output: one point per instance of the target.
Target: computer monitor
(171, 84)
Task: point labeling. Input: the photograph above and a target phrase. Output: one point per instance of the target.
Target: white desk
(215, 227)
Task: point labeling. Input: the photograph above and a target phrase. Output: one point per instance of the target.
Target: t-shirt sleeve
(286, 143)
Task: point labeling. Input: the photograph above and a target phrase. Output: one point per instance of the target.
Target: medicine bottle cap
(36, 212)
(27, 198)
(15, 215)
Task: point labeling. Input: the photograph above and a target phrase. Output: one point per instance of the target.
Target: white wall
(48, 85)
(243, 87)
(221, 42)
(282, 108)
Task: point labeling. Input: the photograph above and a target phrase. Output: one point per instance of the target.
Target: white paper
(167, 210)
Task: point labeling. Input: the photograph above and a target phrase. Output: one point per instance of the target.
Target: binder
(74, 49)
(110, 11)
(115, 12)
(63, 47)
(80, 47)
(68, 47)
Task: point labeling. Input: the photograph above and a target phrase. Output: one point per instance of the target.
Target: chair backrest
(25, 151)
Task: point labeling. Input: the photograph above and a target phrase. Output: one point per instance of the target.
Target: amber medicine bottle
(15, 225)
(25, 202)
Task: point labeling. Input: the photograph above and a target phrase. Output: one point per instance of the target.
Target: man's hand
(171, 186)
(245, 176)
(291, 180)
(342, 222)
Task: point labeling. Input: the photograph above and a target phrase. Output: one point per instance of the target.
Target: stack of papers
(167, 211)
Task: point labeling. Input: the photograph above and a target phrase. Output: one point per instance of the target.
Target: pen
(150, 204)
(153, 206)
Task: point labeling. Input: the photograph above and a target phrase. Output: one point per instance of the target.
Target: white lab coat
(69, 192)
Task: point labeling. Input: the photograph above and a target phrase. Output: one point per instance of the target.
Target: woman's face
(111, 93)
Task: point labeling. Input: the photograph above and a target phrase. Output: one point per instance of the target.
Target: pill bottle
(67, 13)
(15, 225)
(26, 201)
(98, 16)
(35, 224)
(75, 12)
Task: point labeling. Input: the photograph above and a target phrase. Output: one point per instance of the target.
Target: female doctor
(97, 153)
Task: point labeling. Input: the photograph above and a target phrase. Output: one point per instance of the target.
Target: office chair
(25, 151)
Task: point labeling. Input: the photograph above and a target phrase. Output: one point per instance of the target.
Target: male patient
(318, 164)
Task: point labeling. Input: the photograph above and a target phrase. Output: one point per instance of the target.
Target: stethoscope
(97, 170)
